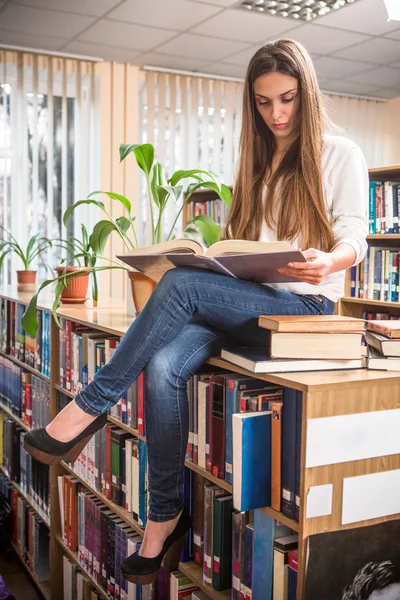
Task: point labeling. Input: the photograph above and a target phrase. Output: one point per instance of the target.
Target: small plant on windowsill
(37, 244)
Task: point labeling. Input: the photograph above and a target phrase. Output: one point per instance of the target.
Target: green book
(118, 437)
(222, 558)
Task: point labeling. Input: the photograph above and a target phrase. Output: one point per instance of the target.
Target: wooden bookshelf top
(314, 380)
(391, 172)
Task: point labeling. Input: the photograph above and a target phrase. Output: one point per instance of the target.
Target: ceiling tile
(348, 87)
(27, 40)
(174, 14)
(394, 35)
(156, 59)
(386, 93)
(324, 40)
(39, 21)
(95, 8)
(242, 58)
(383, 76)
(244, 26)
(377, 51)
(199, 46)
(101, 51)
(226, 70)
(336, 68)
(126, 35)
(368, 16)
(224, 3)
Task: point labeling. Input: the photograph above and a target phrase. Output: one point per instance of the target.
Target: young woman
(294, 183)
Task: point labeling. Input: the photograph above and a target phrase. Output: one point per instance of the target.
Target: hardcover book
(241, 259)
(257, 360)
(312, 323)
(387, 328)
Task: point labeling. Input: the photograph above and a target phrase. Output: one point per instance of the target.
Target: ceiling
(355, 49)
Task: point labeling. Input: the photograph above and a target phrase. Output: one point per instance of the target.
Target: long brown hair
(301, 208)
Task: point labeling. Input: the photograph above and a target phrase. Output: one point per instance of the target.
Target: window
(48, 155)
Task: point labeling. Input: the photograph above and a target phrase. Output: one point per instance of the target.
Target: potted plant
(160, 192)
(36, 245)
(75, 289)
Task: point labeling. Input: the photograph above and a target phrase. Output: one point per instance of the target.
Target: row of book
(216, 209)
(31, 475)
(25, 395)
(384, 207)
(245, 551)
(30, 536)
(383, 340)
(377, 276)
(381, 316)
(76, 586)
(35, 352)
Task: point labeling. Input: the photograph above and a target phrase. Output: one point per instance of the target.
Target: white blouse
(346, 186)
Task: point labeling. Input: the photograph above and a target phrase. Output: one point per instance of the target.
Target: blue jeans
(190, 316)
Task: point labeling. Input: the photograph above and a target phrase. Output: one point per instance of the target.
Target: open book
(241, 259)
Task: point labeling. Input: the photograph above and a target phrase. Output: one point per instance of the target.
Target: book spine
(288, 452)
(299, 414)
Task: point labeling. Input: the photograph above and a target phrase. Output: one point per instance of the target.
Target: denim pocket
(316, 301)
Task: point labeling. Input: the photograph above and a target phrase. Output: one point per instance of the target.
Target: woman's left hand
(319, 265)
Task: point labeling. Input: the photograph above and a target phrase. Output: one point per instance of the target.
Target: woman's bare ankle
(69, 423)
(155, 535)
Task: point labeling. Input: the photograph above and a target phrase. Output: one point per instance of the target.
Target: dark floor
(17, 579)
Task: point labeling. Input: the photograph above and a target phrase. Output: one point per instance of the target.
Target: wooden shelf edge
(278, 516)
(63, 390)
(14, 417)
(42, 586)
(381, 303)
(24, 365)
(74, 556)
(195, 573)
(121, 512)
(27, 498)
(206, 475)
(131, 430)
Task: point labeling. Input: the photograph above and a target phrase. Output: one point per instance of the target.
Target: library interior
(199, 297)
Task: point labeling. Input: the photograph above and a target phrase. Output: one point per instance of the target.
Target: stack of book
(383, 339)
(304, 343)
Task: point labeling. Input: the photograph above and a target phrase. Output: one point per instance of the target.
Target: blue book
(289, 451)
(372, 207)
(266, 530)
(142, 452)
(299, 413)
(251, 460)
(234, 387)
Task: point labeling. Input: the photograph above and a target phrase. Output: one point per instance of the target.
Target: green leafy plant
(160, 192)
(36, 245)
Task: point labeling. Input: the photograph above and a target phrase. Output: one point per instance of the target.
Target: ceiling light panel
(306, 10)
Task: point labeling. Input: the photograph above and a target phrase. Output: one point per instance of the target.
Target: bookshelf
(354, 307)
(325, 394)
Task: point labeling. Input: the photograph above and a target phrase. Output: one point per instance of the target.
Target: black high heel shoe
(50, 451)
(142, 570)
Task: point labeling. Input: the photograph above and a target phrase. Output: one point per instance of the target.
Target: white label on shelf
(207, 449)
(114, 479)
(286, 495)
(333, 440)
(207, 560)
(228, 468)
(371, 496)
(319, 500)
(190, 437)
(197, 539)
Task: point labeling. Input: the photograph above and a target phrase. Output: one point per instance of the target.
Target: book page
(183, 245)
(246, 247)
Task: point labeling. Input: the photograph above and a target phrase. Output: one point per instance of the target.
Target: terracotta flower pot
(142, 288)
(76, 290)
(26, 280)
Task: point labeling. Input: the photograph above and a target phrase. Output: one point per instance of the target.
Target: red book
(14, 512)
(217, 425)
(293, 559)
(140, 388)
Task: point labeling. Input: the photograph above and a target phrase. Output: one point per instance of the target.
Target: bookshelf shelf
(14, 417)
(63, 390)
(126, 427)
(28, 499)
(42, 586)
(206, 475)
(74, 556)
(195, 573)
(366, 301)
(125, 515)
(281, 518)
(24, 365)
